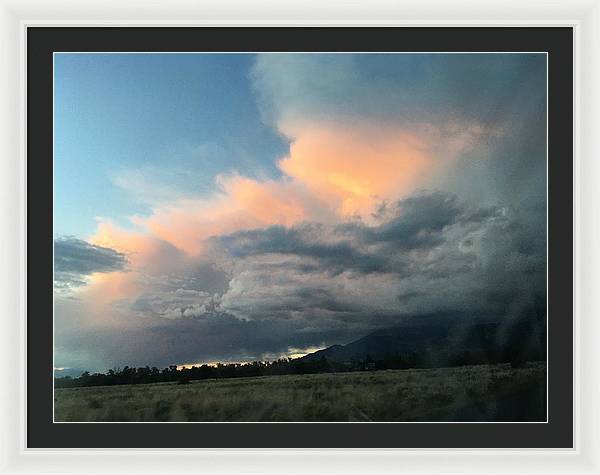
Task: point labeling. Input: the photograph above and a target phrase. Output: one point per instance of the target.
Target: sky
(230, 207)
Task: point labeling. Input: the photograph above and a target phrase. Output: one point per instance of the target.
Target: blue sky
(173, 120)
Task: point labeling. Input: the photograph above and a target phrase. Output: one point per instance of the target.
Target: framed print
(354, 240)
(344, 236)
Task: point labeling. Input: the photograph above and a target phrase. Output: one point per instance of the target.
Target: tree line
(146, 374)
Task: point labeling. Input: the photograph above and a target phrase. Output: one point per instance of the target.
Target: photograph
(300, 237)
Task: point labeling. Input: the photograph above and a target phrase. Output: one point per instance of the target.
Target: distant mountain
(446, 342)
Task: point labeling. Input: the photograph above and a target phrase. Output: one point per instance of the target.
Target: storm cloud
(431, 253)
(75, 259)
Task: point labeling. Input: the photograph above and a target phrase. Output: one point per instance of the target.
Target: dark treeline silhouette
(144, 375)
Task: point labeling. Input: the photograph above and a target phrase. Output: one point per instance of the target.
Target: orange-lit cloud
(146, 255)
(149, 252)
(354, 168)
(104, 289)
(331, 173)
(136, 246)
(242, 203)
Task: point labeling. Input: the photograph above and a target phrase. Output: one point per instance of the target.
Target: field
(468, 393)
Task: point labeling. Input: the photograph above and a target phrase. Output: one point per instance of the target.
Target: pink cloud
(331, 173)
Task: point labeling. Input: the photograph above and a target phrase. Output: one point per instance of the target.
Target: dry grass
(488, 393)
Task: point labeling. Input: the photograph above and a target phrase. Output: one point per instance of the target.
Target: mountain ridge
(434, 343)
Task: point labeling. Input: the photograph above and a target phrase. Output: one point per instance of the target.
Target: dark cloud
(430, 254)
(417, 222)
(74, 259)
(431, 88)
(80, 257)
(305, 240)
(192, 290)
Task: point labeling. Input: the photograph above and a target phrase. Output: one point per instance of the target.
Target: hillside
(445, 342)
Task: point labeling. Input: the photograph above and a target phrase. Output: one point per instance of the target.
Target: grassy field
(469, 393)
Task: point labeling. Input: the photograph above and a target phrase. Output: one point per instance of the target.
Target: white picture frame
(583, 15)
